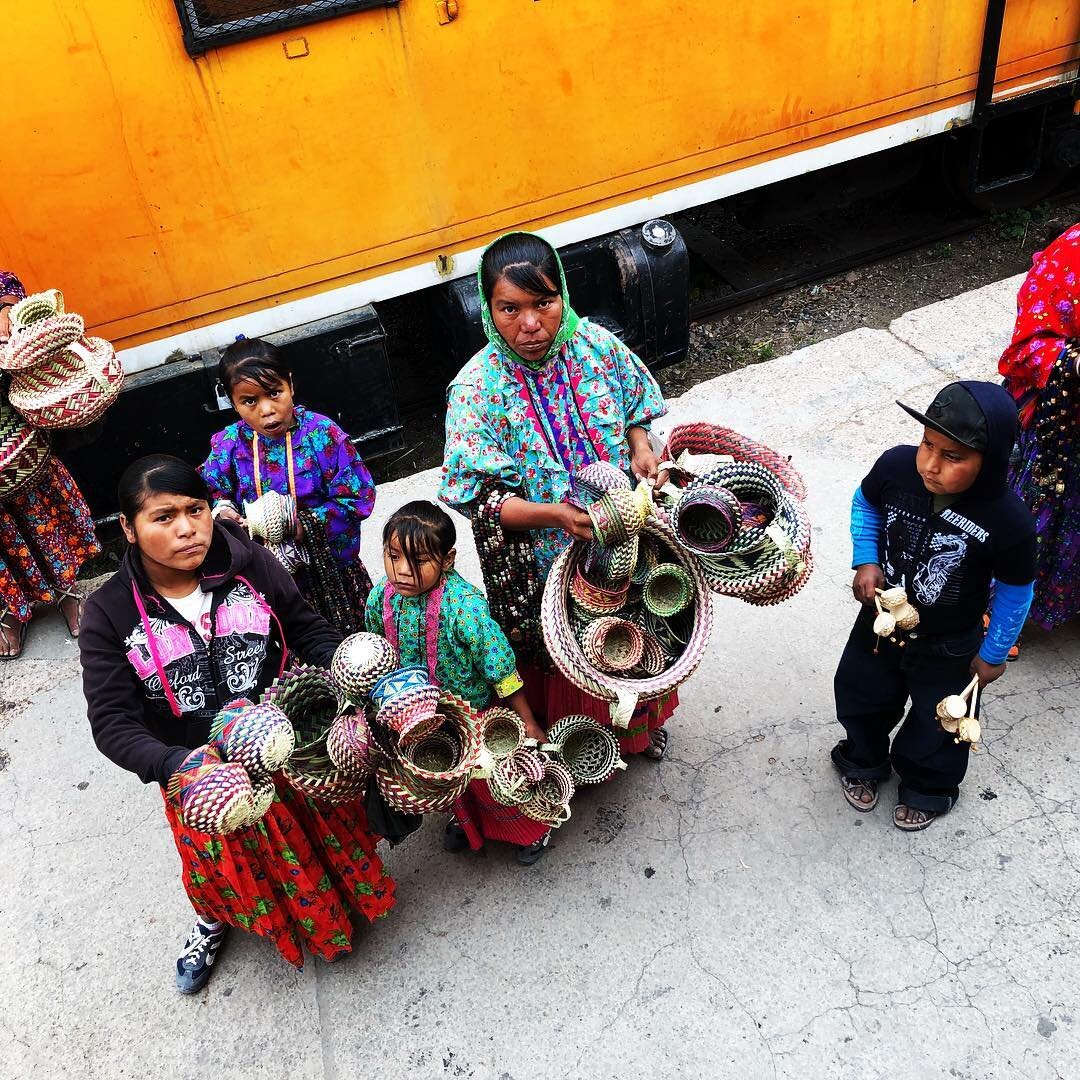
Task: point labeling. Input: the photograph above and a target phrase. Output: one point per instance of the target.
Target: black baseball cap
(956, 414)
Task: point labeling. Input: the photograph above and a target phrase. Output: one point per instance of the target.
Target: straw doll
(197, 616)
(280, 446)
(548, 395)
(437, 620)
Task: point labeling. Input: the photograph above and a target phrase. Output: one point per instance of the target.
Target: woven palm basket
(259, 737)
(360, 661)
(72, 388)
(211, 795)
(514, 776)
(707, 518)
(550, 800)
(503, 731)
(348, 742)
(567, 654)
(612, 644)
(668, 590)
(588, 749)
(35, 342)
(24, 452)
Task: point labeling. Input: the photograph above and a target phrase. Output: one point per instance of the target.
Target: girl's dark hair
(421, 528)
(158, 474)
(254, 359)
(525, 261)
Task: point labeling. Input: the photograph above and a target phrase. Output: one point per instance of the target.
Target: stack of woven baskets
(227, 784)
(60, 377)
(626, 617)
(739, 514)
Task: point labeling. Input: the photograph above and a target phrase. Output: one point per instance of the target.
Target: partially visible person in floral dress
(46, 533)
(548, 395)
(197, 616)
(281, 446)
(1041, 368)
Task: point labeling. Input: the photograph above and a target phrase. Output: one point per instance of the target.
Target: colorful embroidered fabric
(1040, 369)
(472, 653)
(294, 877)
(46, 534)
(10, 285)
(332, 482)
(530, 429)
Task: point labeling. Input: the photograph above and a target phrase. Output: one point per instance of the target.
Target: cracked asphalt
(725, 914)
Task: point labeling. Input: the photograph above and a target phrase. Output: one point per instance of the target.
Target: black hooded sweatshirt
(133, 715)
(947, 559)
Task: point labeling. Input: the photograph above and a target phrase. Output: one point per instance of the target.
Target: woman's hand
(644, 463)
(573, 521)
(987, 672)
(229, 514)
(868, 579)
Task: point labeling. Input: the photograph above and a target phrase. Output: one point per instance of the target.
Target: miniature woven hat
(348, 743)
(72, 388)
(210, 795)
(668, 590)
(24, 452)
(589, 750)
(308, 697)
(503, 731)
(612, 644)
(259, 737)
(34, 342)
(411, 713)
(359, 662)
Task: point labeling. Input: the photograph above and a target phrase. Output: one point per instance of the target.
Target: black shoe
(533, 853)
(195, 963)
(454, 839)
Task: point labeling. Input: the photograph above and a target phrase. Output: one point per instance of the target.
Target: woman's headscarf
(567, 328)
(10, 285)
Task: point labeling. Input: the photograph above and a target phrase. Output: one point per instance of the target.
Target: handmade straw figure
(894, 612)
(956, 714)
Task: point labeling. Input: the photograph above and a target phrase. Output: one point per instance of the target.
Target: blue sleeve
(1008, 611)
(867, 530)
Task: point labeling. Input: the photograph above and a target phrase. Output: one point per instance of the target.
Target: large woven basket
(24, 452)
(72, 388)
(622, 691)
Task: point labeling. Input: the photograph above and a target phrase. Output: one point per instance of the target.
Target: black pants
(871, 692)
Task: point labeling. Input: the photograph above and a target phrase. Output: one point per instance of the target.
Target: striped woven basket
(71, 389)
(514, 776)
(566, 651)
(549, 802)
(588, 749)
(24, 452)
(503, 731)
(36, 342)
(259, 737)
(35, 307)
(348, 742)
(211, 795)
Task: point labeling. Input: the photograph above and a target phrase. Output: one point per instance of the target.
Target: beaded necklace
(288, 461)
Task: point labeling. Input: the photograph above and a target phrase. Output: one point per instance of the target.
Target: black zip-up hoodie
(947, 559)
(148, 724)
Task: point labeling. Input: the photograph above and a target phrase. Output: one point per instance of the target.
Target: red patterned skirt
(294, 877)
(552, 696)
(483, 818)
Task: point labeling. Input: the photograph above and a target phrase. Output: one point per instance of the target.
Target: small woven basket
(668, 590)
(503, 731)
(263, 795)
(35, 307)
(589, 750)
(550, 799)
(595, 599)
(514, 776)
(618, 516)
(211, 795)
(348, 743)
(706, 518)
(654, 658)
(312, 772)
(272, 517)
(595, 480)
(411, 714)
(24, 453)
(308, 697)
(359, 662)
(35, 342)
(259, 737)
(613, 645)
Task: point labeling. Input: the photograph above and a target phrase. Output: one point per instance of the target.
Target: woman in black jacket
(197, 616)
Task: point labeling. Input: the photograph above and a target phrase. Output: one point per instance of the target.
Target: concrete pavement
(723, 915)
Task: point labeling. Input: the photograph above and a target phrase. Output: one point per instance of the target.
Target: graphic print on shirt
(903, 529)
(932, 579)
(242, 630)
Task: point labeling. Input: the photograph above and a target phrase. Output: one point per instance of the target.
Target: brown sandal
(853, 789)
(925, 821)
(18, 641)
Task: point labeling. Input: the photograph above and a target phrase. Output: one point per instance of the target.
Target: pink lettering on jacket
(174, 643)
(243, 617)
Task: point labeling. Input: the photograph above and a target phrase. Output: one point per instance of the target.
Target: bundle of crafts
(227, 784)
(61, 378)
(738, 511)
(627, 616)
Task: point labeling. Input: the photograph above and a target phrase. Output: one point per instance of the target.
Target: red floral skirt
(294, 877)
(483, 818)
(552, 696)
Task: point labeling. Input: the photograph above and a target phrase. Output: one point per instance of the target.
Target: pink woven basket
(37, 341)
(72, 389)
(566, 651)
(24, 453)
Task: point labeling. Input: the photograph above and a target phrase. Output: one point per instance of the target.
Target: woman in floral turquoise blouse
(548, 395)
(436, 620)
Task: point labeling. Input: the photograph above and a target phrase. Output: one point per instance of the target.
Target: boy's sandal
(658, 744)
(924, 818)
(855, 789)
(7, 624)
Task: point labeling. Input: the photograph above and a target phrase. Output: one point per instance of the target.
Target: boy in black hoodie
(939, 521)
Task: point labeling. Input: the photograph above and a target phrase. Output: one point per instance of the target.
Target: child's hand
(987, 672)
(534, 731)
(229, 514)
(868, 579)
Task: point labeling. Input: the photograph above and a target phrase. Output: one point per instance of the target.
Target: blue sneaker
(195, 963)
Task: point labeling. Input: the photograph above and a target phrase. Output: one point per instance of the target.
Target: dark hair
(525, 261)
(157, 474)
(421, 528)
(254, 359)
